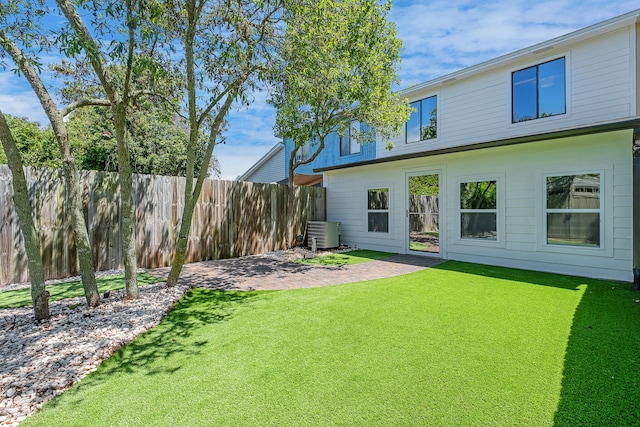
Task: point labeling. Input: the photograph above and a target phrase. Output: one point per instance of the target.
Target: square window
(539, 91)
(573, 210)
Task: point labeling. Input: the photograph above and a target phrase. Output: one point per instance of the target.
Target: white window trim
(439, 170)
(542, 121)
(422, 141)
(500, 212)
(606, 214)
(388, 210)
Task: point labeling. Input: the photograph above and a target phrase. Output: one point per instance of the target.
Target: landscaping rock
(40, 360)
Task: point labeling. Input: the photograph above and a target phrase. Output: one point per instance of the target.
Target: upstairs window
(573, 210)
(539, 91)
(423, 121)
(349, 143)
(303, 152)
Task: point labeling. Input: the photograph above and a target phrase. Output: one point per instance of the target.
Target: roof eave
(566, 133)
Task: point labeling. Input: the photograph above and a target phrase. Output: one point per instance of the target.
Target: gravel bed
(39, 360)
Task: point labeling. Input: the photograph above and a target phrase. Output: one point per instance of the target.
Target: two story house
(525, 161)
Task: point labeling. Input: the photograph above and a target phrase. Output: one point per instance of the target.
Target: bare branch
(84, 102)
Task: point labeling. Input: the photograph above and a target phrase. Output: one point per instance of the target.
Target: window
(423, 121)
(303, 152)
(378, 210)
(539, 91)
(573, 210)
(349, 143)
(478, 210)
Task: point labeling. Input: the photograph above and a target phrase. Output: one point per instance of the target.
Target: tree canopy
(337, 65)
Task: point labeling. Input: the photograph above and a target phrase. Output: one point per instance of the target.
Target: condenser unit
(326, 234)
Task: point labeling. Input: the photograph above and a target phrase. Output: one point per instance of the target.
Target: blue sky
(439, 37)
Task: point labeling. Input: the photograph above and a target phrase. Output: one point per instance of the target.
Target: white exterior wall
(272, 170)
(600, 88)
(520, 171)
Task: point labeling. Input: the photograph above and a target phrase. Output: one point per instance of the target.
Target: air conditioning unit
(327, 234)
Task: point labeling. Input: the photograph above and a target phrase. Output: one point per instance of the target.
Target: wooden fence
(231, 219)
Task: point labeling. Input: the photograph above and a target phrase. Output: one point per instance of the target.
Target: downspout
(636, 209)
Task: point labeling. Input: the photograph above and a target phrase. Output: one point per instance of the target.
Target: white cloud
(444, 36)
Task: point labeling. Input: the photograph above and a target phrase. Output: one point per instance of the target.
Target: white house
(270, 168)
(523, 161)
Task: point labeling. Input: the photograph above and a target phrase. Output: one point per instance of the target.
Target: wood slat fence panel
(230, 219)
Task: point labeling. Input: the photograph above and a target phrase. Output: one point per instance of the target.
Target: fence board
(230, 219)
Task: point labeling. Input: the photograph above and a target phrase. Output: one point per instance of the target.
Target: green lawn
(352, 257)
(455, 345)
(417, 246)
(22, 297)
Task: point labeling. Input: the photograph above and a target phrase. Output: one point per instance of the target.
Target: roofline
(586, 130)
(629, 18)
(272, 152)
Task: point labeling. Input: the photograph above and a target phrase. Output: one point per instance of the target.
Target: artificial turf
(357, 256)
(58, 291)
(458, 344)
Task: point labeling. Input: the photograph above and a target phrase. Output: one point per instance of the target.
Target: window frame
(499, 242)
(354, 145)
(536, 65)
(601, 211)
(387, 210)
(420, 116)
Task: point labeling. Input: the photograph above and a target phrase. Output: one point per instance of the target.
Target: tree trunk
(78, 224)
(128, 206)
(183, 240)
(39, 295)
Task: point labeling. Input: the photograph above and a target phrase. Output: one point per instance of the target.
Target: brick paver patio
(260, 272)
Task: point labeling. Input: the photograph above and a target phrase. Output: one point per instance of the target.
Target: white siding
(521, 168)
(600, 86)
(272, 170)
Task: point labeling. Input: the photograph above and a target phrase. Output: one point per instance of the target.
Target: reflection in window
(573, 210)
(539, 91)
(378, 210)
(349, 143)
(423, 121)
(478, 210)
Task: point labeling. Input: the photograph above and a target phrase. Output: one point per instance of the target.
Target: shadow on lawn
(601, 375)
(199, 307)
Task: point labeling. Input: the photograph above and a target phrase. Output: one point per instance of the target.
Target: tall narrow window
(539, 91)
(573, 210)
(423, 122)
(303, 152)
(479, 210)
(349, 143)
(378, 210)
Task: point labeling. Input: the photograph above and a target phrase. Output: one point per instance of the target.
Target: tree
(337, 65)
(228, 46)
(129, 26)
(26, 66)
(39, 295)
(37, 146)
(158, 140)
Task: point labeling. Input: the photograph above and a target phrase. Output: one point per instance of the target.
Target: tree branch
(84, 102)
